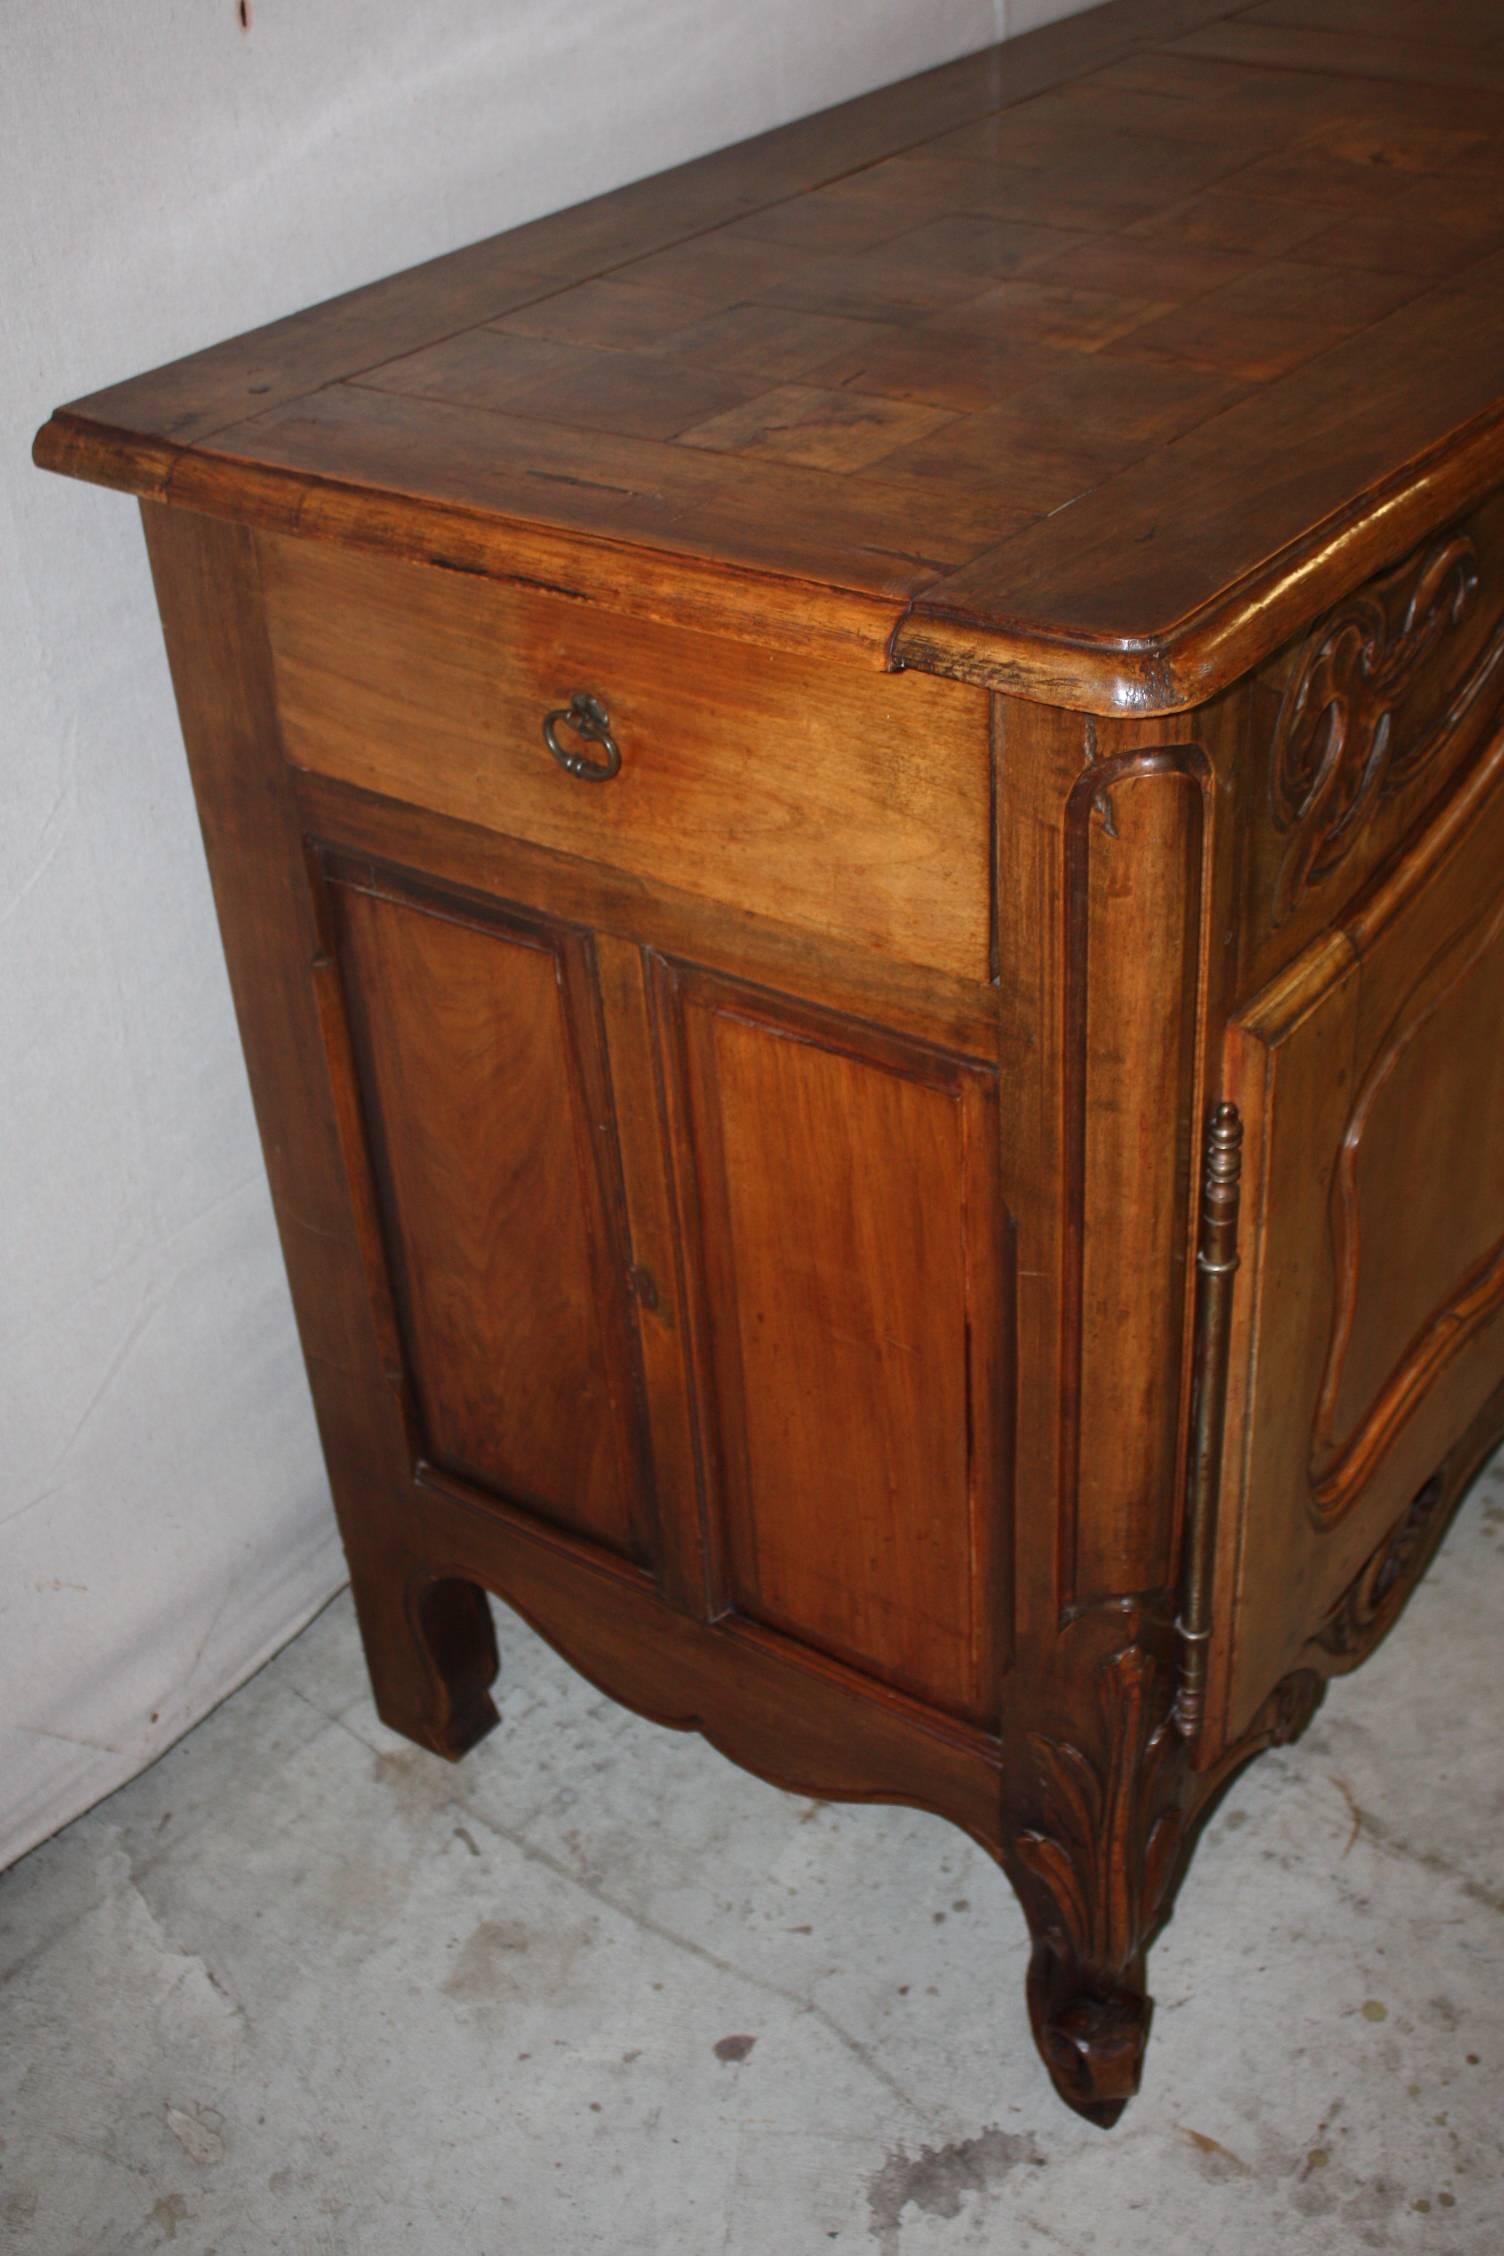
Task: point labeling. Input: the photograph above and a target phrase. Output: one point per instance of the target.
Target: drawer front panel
(1370, 1328)
(480, 1086)
(847, 1243)
(831, 797)
(1362, 726)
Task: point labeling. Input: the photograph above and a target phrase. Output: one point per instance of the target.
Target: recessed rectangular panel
(854, 1278)
(474, 1075)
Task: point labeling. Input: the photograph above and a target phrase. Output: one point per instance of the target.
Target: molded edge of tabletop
(1177, 667)
(1161, 671)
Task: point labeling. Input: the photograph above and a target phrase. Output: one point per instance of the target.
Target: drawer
(830, 796)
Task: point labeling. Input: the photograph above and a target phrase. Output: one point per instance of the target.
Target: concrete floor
(305, 1988)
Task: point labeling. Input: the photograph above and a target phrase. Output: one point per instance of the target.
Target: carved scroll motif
(1337, 755)
(1284, 1715)
(1373, 1600)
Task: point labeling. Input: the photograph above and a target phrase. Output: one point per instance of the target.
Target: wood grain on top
(1087, 366)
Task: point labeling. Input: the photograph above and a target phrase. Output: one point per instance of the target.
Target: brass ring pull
(588, 717)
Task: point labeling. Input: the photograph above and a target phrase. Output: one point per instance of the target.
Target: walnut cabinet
(857, 803)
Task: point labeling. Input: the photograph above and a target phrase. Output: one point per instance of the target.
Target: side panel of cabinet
(481, 1089)
(850, 1270)
(1370, 1312)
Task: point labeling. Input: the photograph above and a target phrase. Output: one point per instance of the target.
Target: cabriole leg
(1094, 1839)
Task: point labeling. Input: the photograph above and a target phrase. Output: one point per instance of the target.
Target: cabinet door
(486, 1120)
(1370, 1328)
(849, 1271)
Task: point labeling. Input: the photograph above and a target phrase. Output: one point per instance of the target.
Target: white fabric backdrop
(166, 179)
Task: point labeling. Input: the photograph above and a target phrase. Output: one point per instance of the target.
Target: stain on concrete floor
(937, 2180)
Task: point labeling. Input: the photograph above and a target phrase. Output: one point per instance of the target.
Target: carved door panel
(1371, 1080)
(484, 1130)
(848, 1267)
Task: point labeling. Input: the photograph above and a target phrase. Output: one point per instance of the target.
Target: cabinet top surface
(1090, 365)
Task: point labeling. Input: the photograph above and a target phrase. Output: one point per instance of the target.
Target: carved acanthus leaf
(1109, 1854)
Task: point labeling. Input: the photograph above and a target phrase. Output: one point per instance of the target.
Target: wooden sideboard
(856, 796)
